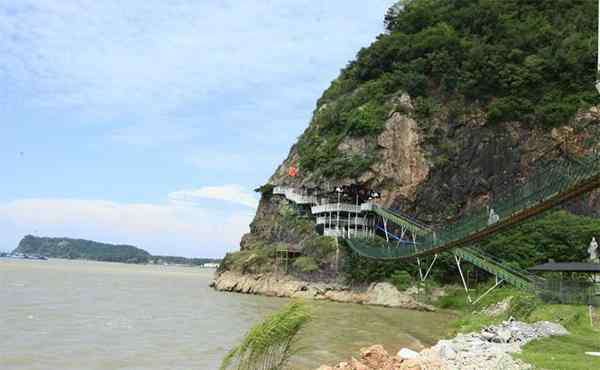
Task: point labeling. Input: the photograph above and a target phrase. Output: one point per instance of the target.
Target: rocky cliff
(443, 113)
(277, 285)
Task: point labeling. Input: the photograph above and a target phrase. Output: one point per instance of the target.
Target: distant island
(81, 249)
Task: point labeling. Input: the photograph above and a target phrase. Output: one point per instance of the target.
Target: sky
(150, 122)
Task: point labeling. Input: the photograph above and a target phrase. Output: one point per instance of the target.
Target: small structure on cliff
(341, 212)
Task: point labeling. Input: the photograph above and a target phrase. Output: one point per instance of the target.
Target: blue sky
(150, 122)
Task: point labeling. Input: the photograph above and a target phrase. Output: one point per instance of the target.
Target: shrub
(401, 280)
(305, 264)
(257, 260)
(320, 247)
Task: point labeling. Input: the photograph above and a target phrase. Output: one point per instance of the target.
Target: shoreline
(490, 348)
(273, 285)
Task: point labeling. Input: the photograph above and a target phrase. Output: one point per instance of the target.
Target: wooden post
(356, 217)
(337, 255)
(337, 226)
(348, 226)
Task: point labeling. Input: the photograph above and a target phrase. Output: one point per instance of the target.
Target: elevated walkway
(292, 195)
(551, 186)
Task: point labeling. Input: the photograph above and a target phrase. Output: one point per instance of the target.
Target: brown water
(68, 315)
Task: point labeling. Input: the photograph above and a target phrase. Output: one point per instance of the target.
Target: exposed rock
(546, 328)
(491, 348)
(402, 166)
(379, 294)
(374, 357)
(407, 354)
(385, 294)
(498, 308)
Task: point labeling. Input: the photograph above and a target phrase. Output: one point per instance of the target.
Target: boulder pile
(489, 348)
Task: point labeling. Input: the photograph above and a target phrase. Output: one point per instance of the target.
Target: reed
(269, 344)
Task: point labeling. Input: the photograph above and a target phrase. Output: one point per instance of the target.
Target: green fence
(569, 292)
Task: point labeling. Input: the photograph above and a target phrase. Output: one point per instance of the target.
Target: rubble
(490, 348)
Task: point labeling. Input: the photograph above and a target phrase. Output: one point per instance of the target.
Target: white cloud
(153, 59)
(161, 229)
(230, 193)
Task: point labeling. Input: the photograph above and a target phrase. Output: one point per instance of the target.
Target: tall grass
(270, 344)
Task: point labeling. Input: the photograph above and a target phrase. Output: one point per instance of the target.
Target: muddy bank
(378, 294)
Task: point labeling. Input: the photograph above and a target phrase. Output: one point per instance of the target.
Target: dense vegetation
(561, 236)
(316, 262)
(515, 60)
(90, 250)
(81, 249)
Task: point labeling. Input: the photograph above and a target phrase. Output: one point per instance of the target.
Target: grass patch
(566, 352)
(471, 316)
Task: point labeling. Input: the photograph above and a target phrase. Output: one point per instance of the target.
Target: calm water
(67, 315)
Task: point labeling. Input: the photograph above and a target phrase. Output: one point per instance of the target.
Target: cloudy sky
(149, 122)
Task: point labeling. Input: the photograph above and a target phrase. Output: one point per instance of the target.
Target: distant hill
(171, 260)
(95, 251)
(81, 249)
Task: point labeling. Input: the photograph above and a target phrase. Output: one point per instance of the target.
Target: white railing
(292, 195)
(366, 207)
(335, 207)
(322, 220)
(361, 233)
(334, 232)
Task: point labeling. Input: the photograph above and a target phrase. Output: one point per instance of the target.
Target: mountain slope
(456, 103)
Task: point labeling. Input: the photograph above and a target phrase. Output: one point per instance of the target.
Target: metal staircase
(516, 277)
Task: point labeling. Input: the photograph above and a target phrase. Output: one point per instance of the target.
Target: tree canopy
(516, 60)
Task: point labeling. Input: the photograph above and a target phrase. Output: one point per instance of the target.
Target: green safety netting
(554, 183)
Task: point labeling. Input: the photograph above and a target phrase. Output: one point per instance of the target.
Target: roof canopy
(566, 267)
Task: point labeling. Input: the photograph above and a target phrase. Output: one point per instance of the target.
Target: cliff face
(441, 115)
(436, 169)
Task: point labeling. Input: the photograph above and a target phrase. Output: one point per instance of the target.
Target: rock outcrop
(378, 294)
(488, 349)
